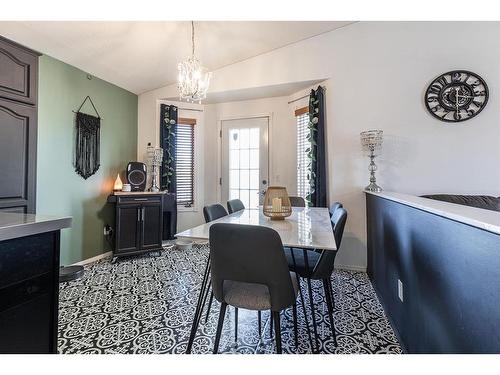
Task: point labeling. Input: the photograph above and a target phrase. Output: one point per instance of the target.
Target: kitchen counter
(14, 225)
(434, 266)
(476, 217)
(29, 282)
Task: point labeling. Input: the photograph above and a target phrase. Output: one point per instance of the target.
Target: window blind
(184, 166)
(303, 168)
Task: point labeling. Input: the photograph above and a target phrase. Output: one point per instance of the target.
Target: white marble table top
(307, 228)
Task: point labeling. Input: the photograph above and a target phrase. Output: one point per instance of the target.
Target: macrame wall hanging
(87, 142)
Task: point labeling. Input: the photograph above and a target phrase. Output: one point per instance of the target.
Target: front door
(245, 154)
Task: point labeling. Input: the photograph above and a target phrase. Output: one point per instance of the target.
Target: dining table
(306, 228)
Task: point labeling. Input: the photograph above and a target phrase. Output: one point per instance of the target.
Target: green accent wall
(60, 191)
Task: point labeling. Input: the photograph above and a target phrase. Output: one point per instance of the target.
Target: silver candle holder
(371, 140)
(155, 157)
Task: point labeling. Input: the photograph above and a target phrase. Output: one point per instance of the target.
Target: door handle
(138, 215)
(143, 211)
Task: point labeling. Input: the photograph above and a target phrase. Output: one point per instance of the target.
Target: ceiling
(141, 56)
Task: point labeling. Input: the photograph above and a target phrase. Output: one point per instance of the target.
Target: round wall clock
(456, 96)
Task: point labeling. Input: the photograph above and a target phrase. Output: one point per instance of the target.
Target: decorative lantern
(155, 156)
(276, 203)
(118, 183)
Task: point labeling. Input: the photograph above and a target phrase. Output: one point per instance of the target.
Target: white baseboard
(110, 253)
(350, 268)
(93, 259)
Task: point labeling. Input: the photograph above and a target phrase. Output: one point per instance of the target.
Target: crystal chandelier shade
(193, 78)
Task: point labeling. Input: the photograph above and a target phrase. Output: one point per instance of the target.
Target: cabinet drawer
(26, 257)
(29, 328)
(139, 199)
(24, 291)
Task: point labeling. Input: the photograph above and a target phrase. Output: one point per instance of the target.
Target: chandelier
(193, 78)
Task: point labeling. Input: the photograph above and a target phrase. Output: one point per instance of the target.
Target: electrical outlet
(400, 290)
(107, 230)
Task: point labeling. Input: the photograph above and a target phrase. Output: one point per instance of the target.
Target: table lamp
(371, 140)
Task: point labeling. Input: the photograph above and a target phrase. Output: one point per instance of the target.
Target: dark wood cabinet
(139, 223)
(18, 72)
(29, 293)
(18, 127)
(128, 225)
(17, 156)
(152, 226)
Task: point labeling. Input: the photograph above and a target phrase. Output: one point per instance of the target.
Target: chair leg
(277, 330)
(271, 324)
(198, 312)
(235, 324)
(330, 282)
(305, 312)
(295, 327)
(208, 291)
(259, 319)
(329, 303)
(222, 313)
(311, 302)
(209, 305)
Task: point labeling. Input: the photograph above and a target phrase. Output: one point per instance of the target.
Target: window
(303, 146)
(184, 165)
(244, 166)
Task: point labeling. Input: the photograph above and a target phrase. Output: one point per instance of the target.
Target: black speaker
(136, 175)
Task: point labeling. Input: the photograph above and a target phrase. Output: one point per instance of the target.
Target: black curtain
(168, 133)
(317, 179)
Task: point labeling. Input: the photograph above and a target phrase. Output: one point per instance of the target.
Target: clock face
(456, 96)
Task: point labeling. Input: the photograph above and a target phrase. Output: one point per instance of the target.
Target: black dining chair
(312, 265)
(214, 212)
(235, 205)
(211, 213)
(297, 201)
(250, 271)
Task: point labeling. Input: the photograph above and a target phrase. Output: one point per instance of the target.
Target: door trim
(270, 120)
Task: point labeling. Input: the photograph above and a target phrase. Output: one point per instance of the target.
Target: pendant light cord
(192, 36)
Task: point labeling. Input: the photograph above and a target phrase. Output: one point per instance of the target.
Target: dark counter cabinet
(139, 226)
(29, 282)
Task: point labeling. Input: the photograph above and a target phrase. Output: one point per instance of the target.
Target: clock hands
(458, 96)
(456, 101)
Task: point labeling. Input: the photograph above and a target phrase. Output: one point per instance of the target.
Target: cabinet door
(18, 72)
(128, 222)
(152, 226)
(17, 157)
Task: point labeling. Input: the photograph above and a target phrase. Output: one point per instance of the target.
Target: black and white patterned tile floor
(146, 305)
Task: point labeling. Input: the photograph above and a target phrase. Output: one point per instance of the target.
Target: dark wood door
(152, 226)
(18, 72)
(128, 221)
(18, 132)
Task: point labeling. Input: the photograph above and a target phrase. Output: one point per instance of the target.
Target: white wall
(281, 137)
(378, 72)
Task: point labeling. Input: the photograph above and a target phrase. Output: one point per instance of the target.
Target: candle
(276, 204)
(118, 183)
